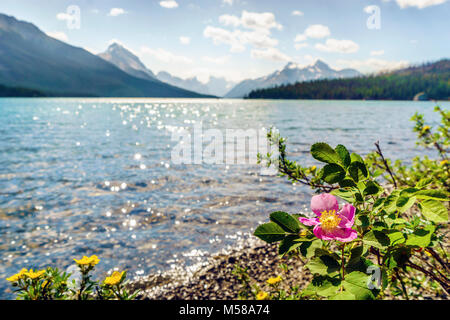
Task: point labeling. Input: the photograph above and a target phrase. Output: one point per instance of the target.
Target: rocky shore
(216, 281)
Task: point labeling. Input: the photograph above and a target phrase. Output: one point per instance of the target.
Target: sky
(241, 39)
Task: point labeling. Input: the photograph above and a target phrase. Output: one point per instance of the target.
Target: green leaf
(404, 203)
(354, 157)
(323, 265)
(343, 154)
(333, 173)
(324, 153)
(347, 182)
(420, 237)
(371, 188)
(434, 211)
(432, 195)
(390, 204)
(357, 284)
(270, 232)
(344, 295)
(396, 237)
(288, 244)
(358, 171)
(307, 249)
(355, 254)
(346, 195)
(323, 286)
(376, 239)
(423, 183)
(285, 221)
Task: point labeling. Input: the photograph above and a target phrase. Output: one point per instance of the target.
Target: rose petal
(321, 234)
(324, 202)
(343, 234)
(347, 211)
(309, 222)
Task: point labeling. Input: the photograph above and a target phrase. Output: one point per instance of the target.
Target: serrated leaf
(357, 284)
(323, 265)
(333, 173)
(307, 249)
(343, 154)
(358, 171)
(432, 195)
(344, 295)
(371, 188)
(376, 239)
(285, 221)
(420, 237)
(288, 244)
(434, 211)
(346, 195)
(404, 203)
(270, 232)
(324, 153)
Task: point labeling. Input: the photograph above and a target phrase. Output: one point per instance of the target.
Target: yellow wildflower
(17, 276)
(262, 295)
(85, 261)
(303, 233)
(444, 162)
(313, 168)
(273, 281)
(115, 278)
(426, 128)
(428, 254)
(34, 274)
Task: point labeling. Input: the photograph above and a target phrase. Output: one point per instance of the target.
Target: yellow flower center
(329, 220)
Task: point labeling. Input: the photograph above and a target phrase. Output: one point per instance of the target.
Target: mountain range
(290, 74)
(31, 59)
(127, 61)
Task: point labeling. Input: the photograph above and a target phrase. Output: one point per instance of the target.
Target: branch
(377, 144)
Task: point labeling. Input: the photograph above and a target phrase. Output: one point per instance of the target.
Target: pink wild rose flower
(330, 223)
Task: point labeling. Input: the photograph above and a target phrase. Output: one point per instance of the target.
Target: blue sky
(240, 39)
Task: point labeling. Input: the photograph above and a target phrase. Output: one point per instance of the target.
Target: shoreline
(214, 280)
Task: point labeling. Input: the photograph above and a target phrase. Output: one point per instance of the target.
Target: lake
(95, 176)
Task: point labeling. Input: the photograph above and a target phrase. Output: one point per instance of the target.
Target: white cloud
(165, 56)
(270, 54)
(265, 20)
(217, 60)
(372, 64)
(317, 31)
(230, 2)
(258, 39)
(297, 13)
(341, 46)
(377, 52)
(252, 20)
(114, 12)
(418, 3)
(300, 38)
(168, 4)
(238, 39)
(299, 46)
(185, 40)
(229, 20)
(219, 35)
(58, 35)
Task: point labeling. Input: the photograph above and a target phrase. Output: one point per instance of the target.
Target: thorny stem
(437, 257)
(377, 144)
(343, 262)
